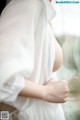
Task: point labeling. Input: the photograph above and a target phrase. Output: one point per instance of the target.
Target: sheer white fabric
(27, 52)
(12, 88)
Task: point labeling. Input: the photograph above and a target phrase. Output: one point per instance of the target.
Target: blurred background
(66, 28)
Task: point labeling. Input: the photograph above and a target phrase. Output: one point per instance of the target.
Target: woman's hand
(56, 91)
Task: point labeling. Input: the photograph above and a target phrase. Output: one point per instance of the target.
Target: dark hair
(2, 5)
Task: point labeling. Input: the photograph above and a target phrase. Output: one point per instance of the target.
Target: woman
(30, 55)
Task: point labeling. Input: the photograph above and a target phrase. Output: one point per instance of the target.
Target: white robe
(27, 51)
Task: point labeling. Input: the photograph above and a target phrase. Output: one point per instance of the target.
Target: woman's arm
(32, 90)
(53, 91)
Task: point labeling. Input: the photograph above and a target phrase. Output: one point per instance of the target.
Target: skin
(58, 57)
(53, 91)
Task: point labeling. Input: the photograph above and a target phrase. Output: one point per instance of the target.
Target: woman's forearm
(53, 91)
(32, 90)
